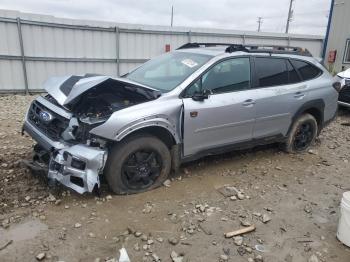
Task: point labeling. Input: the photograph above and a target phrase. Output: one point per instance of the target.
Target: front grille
(344, 94)
(53, 128)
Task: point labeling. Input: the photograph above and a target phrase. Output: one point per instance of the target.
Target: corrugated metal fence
(35, 47)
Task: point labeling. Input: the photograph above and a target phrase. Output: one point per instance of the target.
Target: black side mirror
(200, 96)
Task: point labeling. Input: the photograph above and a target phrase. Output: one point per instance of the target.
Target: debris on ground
(6, 244)
(241, 231)
(40, 256)
(175, 257)
(124, 257)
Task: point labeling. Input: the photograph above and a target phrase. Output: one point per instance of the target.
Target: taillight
(337, 86)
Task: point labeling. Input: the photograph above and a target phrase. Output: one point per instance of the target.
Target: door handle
(249, 102)
(299, 94)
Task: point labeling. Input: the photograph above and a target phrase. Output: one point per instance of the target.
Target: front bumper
(78, 167)
(75, 166)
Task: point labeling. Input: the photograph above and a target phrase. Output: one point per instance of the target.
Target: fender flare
(161, 121)
(318, 104)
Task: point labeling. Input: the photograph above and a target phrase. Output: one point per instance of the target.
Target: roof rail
(197, 45)
(270, 49)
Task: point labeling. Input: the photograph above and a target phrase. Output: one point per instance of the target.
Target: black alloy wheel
(304, 136)
(141, 169)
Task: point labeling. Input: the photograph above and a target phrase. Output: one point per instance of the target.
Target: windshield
(167, 71)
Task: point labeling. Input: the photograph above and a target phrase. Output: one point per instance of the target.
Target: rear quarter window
(306, 70)
(271, 71)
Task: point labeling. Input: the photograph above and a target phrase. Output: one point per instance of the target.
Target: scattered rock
(77, 225)
(265, 218)
(308, 209)
(40, 256)
(51, 198)
(313, 258)
(240, 196)
(159, 239)
(258, 258)
(246, 223)
(241, 251)
(223, 258)
(167, 183)
(228, 191)
(175, 257)
(147, 208)
(155, 258)
(173, 240)
(137, 234)
(238, 240)
(137, 247)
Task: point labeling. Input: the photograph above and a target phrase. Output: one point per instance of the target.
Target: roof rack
(271, 49)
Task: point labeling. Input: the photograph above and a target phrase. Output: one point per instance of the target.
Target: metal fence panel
(57, 46)
(11, 76)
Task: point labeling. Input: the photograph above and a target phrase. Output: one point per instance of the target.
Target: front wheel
(302, 135)
(138, 164)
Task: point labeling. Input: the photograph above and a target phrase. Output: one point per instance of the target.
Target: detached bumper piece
(78, 167)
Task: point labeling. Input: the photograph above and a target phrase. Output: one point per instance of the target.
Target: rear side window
(293, 75)
(306, 70)
(271, 71)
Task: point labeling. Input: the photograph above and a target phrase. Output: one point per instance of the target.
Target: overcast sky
(310, 16)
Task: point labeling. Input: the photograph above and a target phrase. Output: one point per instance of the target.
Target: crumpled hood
(66, 89)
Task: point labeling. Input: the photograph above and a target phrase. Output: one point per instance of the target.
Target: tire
(137, 164)
(302, 134)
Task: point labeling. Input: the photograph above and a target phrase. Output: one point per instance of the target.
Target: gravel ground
(292, 200)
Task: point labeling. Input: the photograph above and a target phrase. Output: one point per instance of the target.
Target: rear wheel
(302, 134)
(137, 164)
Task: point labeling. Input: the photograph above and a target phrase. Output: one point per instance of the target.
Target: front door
(227, 115)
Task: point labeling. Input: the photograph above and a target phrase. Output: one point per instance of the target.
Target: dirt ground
(293, 200)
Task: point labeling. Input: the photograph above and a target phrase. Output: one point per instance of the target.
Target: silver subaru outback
(198, 100)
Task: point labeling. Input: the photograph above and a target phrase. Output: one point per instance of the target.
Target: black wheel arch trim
(317, 104)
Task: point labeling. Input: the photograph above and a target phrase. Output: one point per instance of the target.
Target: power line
(259, 23)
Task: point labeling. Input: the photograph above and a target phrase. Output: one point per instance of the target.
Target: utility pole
(172, 16)
(259, 23)
(290, 14)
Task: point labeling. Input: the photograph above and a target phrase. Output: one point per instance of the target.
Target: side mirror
(200, 96)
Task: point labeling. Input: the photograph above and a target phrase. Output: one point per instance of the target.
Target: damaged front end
(78, 167)
(61, 121)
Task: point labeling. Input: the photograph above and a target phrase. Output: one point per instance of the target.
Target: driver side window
(227, 76)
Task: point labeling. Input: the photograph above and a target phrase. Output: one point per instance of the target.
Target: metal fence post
(288, 40)
(19, 29)
(117, 36)
(189, 36)
(243, 39)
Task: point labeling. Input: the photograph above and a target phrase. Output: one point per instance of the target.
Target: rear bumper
(75, 166)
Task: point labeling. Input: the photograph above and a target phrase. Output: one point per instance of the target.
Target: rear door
(279, 92)
(227, 116)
